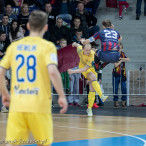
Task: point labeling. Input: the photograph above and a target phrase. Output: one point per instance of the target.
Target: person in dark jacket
(4, 43)
(87, 18)
(59, 31)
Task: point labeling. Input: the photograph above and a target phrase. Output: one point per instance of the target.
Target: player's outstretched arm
(55, 78)
(70, 71)
(3, 88)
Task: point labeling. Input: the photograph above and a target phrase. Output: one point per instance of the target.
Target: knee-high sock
(91, 98)
(97, 88)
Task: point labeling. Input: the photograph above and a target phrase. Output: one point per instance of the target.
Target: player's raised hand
(63, 104)
(74, 44)
(6, 100)
(70, 71)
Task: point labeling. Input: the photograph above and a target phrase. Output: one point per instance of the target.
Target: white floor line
(144, 141)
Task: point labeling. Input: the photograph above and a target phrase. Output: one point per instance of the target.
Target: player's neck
(36, 34)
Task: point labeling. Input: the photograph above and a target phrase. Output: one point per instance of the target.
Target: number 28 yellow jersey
(28, 59)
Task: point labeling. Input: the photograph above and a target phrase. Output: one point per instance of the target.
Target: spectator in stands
(93, 4)
(9, 13)
(77, 25)
(16, 31)
(59, 31)
(5, 26)
(2, 107)
(138, 9)
(64, 75)
(119, 75)
(51, 15)
(73, 100)
(4, 43)
(2, 6)
(87, 18)
(121, 4)
(23, 17)
(78, 35)
(64, 9)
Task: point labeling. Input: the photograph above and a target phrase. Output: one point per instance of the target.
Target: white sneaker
(104, 98)
(89, 112)
(4, 110)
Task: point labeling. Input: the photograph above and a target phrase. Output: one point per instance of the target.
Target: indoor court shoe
(95, 105)
(4, 110)
(124, 104)
(71, 104)
(89, 112)
(137, 17)
(116, 105)
(76, 104)
(104, 98)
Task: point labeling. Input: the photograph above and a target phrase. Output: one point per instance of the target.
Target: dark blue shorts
(109, 56)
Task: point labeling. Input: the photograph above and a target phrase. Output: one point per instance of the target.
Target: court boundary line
(144, 141)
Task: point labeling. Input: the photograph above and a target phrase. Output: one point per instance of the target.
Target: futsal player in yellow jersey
(85, 67)
(33, 62)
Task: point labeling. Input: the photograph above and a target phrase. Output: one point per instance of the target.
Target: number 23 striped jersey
(108, 37)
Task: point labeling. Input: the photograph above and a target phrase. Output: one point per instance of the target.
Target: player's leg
(96, 85)
(17, 130)
(91, 98)
(43, 134)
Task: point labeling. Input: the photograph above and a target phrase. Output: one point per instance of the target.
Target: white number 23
(111, 34)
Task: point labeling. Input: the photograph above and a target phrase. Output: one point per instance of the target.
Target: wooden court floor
(77, 130)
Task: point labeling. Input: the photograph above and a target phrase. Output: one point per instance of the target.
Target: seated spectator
(77, 25)
(51, 15)
(23, 17)
(87, 18)
(64, 9)
(5, 26)
(59, 31)
(9, 13)
(4, 43)
(2, 6)
(93, 4)
(78, 35)
(16, 31)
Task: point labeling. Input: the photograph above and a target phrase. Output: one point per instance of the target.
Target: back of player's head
(106, 23)
(37, 20)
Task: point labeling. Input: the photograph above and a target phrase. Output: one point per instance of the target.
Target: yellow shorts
(88, 71)
(20, 124)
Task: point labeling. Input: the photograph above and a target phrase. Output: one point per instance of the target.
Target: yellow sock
(97, 88)
(91, 98)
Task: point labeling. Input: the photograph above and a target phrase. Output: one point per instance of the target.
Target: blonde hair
(37, 20)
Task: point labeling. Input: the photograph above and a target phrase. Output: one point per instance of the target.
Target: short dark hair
(106, 23)
(2, 32)
(37, 20)
(5, 15)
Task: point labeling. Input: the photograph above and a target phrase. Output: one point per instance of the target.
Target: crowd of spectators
(70, 20)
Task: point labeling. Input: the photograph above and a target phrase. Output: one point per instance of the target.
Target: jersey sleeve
(96, 36)
(118, 35)
(51, 54)
(6, 61)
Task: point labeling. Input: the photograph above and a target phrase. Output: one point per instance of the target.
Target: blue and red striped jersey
(108, 37)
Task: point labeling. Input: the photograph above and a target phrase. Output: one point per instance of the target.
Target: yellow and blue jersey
(28, 59)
